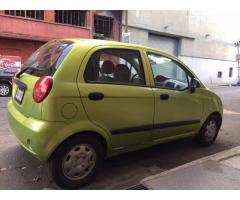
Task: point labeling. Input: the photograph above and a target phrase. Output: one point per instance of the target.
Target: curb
(220, 156)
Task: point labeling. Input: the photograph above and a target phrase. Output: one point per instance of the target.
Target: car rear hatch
(44, 62)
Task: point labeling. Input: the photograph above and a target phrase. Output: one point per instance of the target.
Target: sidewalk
(219, 171)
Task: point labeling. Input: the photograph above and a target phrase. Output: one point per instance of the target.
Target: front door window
(167, 73)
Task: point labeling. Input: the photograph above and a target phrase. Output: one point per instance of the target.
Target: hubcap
(211, 130)
(79, 162)
(4, 90)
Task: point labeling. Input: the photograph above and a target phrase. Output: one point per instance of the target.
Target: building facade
(23, 31)
(203, 40)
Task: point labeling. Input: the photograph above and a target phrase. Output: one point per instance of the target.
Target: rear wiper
(25, 69)
(21, 72)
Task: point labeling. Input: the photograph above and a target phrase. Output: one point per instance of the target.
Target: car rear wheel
(209, 131)
(77, 161)
(5, 90)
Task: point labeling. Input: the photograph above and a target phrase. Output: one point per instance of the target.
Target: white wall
(206, 39)
(205, 34)
(207, 69)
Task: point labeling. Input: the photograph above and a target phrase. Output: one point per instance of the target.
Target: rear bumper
(36, 136)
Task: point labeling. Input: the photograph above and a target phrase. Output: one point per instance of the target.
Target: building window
(219, 75)
(103, 26)
(34, 14)
(230, 71)
(72, 17)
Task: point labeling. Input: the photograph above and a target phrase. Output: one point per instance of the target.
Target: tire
(209, 131)
(5, 89)
(75, 155)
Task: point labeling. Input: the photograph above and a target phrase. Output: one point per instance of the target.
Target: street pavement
(19, 170)
(220, 171)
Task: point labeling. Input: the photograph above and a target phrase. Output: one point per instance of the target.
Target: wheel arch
(95, 134)
(218, 115)
(6, 82)
(215, 113)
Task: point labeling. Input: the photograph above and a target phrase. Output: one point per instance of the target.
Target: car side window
(115, 66)
(167, 73)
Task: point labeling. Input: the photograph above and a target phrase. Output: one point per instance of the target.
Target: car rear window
(46, 60)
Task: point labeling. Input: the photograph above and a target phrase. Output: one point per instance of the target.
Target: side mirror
(194, 84)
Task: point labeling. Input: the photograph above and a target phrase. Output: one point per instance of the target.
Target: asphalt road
(19, 170)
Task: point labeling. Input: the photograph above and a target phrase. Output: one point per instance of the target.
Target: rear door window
(115, 66)
(46, 60)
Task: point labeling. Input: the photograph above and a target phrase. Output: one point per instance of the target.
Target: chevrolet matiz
(78, 101)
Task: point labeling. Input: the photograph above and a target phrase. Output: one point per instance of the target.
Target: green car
(78, 101)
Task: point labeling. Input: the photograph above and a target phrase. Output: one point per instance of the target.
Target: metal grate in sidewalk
(138, 187)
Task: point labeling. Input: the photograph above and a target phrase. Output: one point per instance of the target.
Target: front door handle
(96, 96)
(164, 96)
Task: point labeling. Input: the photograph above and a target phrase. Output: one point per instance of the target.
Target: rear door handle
(96, 96)
(164, 96)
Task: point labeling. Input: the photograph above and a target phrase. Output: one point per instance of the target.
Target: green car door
(178, 111)
(116, 95)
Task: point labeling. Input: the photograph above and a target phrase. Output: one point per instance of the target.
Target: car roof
(90, 43)
(96, 42)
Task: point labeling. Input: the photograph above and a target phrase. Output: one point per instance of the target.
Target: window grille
(103, 25)
(72, 17)
(34, 14)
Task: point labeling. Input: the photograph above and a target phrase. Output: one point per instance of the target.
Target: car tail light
(42, 88)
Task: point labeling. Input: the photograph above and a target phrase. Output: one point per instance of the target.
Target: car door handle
(164, 96)
(96, 96)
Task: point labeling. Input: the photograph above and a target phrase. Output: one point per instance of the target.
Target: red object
(22, 36)
(37, 30)
(42, 88)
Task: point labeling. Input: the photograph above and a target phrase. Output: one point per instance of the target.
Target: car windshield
(46, 60)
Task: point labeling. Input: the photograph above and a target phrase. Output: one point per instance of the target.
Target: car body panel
(27, 107)
(123, 106)
(181, 113)
(45, 136)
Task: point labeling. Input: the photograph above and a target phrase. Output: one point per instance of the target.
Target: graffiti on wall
(10, 61)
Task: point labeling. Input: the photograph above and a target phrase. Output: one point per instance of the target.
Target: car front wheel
(209, 131)
(77, 161)
(5, 90)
